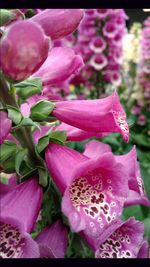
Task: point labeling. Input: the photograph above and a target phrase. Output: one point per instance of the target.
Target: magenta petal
(53, 71)
(91, 115)
(23, 51)
(57, 23)
(143, 252)
(76, 134)
(20, 207)
(5, 126)
(137, 194)
(54, 239)
(12, 183)
(96, 149)
(125, 242)
(96, 196)
(16, 244)
(61, 161)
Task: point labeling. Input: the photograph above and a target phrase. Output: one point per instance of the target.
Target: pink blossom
(58, 23)
(23, 51)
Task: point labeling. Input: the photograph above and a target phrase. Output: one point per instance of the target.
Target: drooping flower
(94, 189)
(125, 242)
(53, 71)
(5, 126)
(53, 241)
(19, 211)
(57, 23)
(137, 194)
(92, 115)
(23, 51)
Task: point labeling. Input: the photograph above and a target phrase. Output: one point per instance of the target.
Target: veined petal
(61, 161)
(53, 239)
(57, 23)
(20, 206)
(92, 115)
(53, 71)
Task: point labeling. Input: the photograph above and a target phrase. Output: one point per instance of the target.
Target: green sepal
(28, 87)
(26, 122)
(14, 114)
(43, 176)
(7, 150)
(19, 159)
(42, 110)
(58, 137)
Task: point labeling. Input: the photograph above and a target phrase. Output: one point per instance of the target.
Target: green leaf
(141, 140)
(43, 176)
(19, 158)
(28, 87)
(7, 150)
(5, 16)
(9, 165)
(58, 137)
(42, 143)
(26, 122)
(14, 114)
(42, 110)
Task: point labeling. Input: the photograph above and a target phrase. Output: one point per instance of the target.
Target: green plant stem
(23, 134)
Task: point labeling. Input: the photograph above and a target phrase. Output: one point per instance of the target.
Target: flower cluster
(91, 188)
(99, 41)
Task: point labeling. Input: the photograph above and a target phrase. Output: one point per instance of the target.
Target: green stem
(23, 134)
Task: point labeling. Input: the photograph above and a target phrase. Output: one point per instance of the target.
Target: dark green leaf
(42, 143)
(41, 110)
(14, 114)
(19, 158)
(43, 176)
(28, 87)
(58, 136)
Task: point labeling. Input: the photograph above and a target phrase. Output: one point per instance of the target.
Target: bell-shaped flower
(95, 189)
(137, 194)
(61, 160)
(100, 115)
(19, 210)
(5, 126)
(53, 241)
(53, 71)
(125, 242)
(23, 51)
(57, 23)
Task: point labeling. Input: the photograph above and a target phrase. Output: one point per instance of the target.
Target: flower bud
(24, 48)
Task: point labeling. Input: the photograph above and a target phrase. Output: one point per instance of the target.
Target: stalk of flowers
(143, 71)
(99, 41)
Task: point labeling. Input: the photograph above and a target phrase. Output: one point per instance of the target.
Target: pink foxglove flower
(23, 51)
(20, 208)
(57, 23)
(94, 189)
(102, 115)
(126, 242)
(137, 194)
(60, 161)
(53, 241)
(53, 71)
(5, 126)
